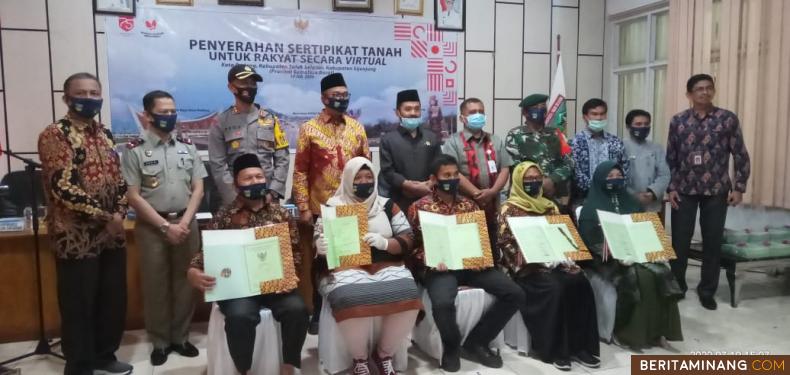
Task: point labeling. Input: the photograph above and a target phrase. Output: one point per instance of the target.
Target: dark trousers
(442, 287)
(92, 301)
(242, 315)
(713, 213)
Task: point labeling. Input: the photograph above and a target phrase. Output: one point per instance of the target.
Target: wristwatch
(164, 227)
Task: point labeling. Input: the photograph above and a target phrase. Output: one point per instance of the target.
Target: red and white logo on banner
(425, 42)
(126, 23)
(151, 24)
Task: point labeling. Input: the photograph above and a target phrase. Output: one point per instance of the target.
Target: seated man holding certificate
(441, 280)
(560, 309)
(383, 288)
(647, 309)
(242, 315)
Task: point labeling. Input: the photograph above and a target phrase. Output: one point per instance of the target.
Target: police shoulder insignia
(134, 143)
(280, 140)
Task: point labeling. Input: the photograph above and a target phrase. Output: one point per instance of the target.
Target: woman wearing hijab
(560, 309)
(646, 309)
(384, 288)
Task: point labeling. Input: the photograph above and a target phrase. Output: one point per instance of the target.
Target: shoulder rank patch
(280, 140)
(134, 143)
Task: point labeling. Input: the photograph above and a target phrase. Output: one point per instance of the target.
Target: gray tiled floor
(760, 323)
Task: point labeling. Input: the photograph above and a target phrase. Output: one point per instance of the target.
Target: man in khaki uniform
(165, 178)
(244, 128)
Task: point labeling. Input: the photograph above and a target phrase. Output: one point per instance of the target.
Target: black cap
(241, 71)
(245, 161)
(407, 96)
(332, 80)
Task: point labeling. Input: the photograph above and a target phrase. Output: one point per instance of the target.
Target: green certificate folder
(628, 240)
(263, 262)
(446, 241)
(540, 241)
(343, 236)
(239, 262)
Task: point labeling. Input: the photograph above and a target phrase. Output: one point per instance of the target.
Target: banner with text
(189, 52)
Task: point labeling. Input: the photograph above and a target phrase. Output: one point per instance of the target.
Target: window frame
(649, 66)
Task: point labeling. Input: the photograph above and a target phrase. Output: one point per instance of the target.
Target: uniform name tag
(183, 152)
(151, 162)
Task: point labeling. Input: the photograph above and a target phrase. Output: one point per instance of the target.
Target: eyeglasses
(339, 96)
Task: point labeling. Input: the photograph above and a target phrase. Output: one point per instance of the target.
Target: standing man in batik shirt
(165, 177)
(701, 140)
(541, 145)
(324, 145)
(592, 146)
(247, 127)
(86, 197)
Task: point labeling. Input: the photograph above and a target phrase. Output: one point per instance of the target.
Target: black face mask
(85, 107)
(254, 191)
(449, 185)
(340, 105)
(640, 134)
(246, 94)
(615, 184)
(165, 123)
(533, 187)
(364, 190)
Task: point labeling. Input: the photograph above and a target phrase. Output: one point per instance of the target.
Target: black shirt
(404, 157)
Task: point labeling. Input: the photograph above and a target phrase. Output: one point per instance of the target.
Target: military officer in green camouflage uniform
(539, 144)
(165, 178)
(244, 128)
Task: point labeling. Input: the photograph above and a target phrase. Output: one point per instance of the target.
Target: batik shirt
(82, 179)
(710, 140)
(322, 150)
(511, 259)
(238, 216)
(431, 203)
(588, 152)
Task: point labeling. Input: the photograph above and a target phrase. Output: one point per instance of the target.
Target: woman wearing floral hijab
(560, 309)
(384, 288)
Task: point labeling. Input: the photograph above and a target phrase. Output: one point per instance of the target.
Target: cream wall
(509, 48)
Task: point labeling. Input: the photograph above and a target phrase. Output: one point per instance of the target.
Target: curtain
(745, 46)
(631, 89)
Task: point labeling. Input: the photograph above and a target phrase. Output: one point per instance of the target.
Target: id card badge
(492, 166)
(696, 158)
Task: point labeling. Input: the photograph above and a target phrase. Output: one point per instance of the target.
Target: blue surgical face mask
(410, 123)
(536, 115)
(597, 125)
(476, 121)
(86, 107)
(254, 191)
(615, 184)
(165, 123)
